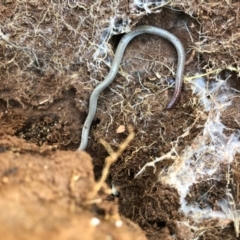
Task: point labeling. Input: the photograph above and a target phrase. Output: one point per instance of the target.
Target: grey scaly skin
(115, 66)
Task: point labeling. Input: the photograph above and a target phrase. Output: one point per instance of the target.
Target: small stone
(5, 180)
(121, 129)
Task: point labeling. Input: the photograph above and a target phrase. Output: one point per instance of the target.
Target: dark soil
(50, 62)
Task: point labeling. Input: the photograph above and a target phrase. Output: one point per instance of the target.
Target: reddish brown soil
(44, 193)
(47, 74)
